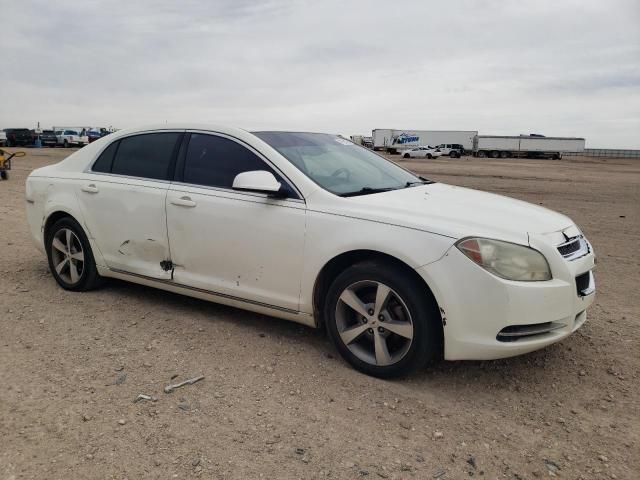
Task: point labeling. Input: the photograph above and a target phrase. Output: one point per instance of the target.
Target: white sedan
(311, 228)
(421, 152)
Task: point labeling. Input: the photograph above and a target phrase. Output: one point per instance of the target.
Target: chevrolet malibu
(312, 228)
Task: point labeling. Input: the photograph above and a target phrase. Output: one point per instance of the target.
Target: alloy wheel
(67, 256)
(374, 323)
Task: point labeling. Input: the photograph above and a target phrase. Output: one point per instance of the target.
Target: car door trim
(259, 198)
(207, 292)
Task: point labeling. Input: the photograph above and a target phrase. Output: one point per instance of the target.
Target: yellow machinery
(5, 162)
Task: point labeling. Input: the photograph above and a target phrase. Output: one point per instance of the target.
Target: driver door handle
(91, 188)
(184, 201)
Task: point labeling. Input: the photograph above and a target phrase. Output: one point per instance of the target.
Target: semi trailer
(393, 141)
(531, 146)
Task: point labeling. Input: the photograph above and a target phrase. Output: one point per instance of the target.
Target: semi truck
(531, 146)
(393, 141)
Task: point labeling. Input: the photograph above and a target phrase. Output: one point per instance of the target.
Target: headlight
(506, 260)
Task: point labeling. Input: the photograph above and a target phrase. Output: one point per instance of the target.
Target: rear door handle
(183, 202)
(91, 188)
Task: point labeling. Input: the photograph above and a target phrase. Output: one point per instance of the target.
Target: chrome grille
(574, 248)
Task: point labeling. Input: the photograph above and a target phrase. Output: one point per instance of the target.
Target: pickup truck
(71, 138)
(18, 137)
(48, 138)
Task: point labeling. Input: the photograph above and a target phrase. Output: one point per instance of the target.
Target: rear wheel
(482, 154)
(406, 155)
(70, 258)
(429, 156)
(495, 154)
(504, 154)
(382, 321)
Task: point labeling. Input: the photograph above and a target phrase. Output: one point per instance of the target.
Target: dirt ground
(277, 402)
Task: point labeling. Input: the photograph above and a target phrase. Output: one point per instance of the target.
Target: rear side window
(215, 161)
(105, 160)
(147, 156)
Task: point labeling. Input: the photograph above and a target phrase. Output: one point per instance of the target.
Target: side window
(105, 160)
(215, 161)
(147, 155)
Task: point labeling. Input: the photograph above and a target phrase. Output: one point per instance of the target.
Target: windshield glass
(337, 164)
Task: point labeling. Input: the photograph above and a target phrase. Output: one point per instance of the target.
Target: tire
(482, 154)
(4, 175)
(429, 156)
(86, 275)
(504, 154)
(407, 304)
(406, 155)
(495, 154)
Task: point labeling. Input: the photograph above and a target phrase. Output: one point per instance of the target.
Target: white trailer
(395, 140)
(536, 146)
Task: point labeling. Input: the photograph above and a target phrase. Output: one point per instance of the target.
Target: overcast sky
(501, 67)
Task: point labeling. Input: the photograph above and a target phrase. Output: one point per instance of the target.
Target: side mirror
(257, 181)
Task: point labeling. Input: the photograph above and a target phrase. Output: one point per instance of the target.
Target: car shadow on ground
(541, 366)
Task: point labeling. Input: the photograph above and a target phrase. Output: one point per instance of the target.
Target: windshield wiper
(422, 181)
(366, 191)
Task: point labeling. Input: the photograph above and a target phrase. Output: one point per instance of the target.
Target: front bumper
(477, 306)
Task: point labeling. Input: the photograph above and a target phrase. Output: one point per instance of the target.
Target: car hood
(457, 212)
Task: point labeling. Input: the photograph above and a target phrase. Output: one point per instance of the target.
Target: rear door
(123, 202)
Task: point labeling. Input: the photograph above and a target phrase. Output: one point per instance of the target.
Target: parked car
(312, 228)
(18, 137)
(3, 138)
(71, 138)
(451, 149)
(48, 138)
(421, 152)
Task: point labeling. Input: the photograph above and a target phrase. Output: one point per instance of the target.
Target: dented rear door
(124, 213)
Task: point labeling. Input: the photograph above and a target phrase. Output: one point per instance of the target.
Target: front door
(248, 246)
(123, 202)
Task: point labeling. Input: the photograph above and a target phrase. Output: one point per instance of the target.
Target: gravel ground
(277, 402)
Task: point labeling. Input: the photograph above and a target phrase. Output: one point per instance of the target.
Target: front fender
(329, 236)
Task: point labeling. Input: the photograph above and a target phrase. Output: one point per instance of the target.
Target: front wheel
(65, 144)
(406, 155)
(382, 321)
(70, 258)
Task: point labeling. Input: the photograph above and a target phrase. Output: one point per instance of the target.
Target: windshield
(337, 164)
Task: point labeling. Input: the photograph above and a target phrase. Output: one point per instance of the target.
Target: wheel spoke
(382, 351)
(73, 270)
(58, 245)
(381, 298)
(68, 238)
(404, 329)
(78, 256)
(350, 298)
(351, 334)
(61, 265)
